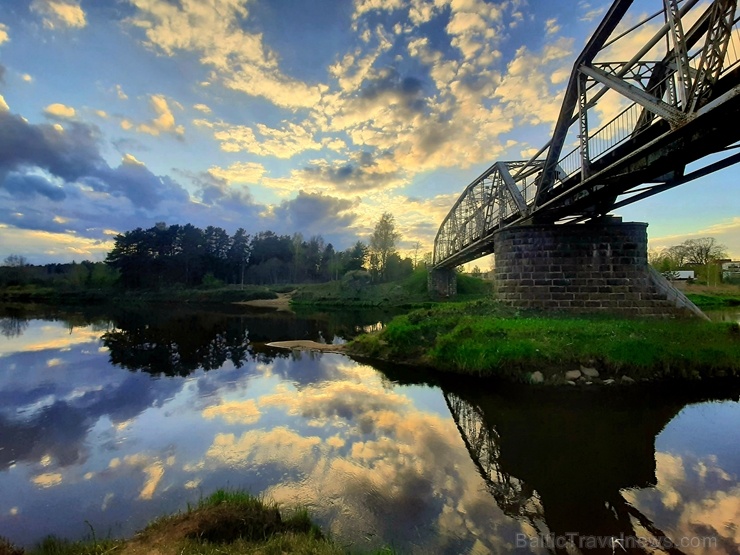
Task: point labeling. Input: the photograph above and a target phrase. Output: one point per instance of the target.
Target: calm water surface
(110, 420)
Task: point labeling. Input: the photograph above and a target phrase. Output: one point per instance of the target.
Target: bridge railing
(623, 126)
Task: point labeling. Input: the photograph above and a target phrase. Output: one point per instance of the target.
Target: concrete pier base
(584, 268)
(442, 283)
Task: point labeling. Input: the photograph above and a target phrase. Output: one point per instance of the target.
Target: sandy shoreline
(306, 345)
(281, 303)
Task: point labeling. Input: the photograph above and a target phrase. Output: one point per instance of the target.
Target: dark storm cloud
(73, 154)
(317, 214)
(29, 185)
(389, 83)
(68, 154)
(61, 428)
(353, 176)
(135, 181)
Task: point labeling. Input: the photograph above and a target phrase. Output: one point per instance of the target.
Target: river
(111, 419)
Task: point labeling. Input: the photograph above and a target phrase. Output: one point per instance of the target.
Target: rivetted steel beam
(715, 47)
(680, 52)
(636, 94)
(514, 191)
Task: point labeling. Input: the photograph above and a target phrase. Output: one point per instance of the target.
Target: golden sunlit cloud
(53, 339)
(60, 13)
(234, 412)
(58, 110)
(239, 172)
(165, 120)
(241, 60)
(3, 105)
(4, 37)
(202, 108)
(36, 242)
(47, 480)
(278, 445)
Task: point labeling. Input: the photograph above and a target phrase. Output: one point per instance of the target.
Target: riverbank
(485, 339)
(225, 523)
(69, 295)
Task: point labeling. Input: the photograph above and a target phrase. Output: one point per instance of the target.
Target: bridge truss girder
(693, 85)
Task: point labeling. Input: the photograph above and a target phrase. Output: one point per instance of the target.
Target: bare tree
(702, 251)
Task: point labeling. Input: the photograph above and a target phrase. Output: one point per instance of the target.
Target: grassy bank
(69, 295)
(483, 339)
(226, 523)
(409, 292)
(713, 296)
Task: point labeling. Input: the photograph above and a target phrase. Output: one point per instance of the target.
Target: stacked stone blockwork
(583, 268)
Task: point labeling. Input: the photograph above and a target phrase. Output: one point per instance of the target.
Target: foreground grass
(226, 523)
(483, 339)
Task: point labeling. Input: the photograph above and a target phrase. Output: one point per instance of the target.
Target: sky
(310, 116)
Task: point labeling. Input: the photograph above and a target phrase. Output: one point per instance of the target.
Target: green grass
(709, 301)
(71, 295)
(227, 522)
(409, 292)
(484, 339)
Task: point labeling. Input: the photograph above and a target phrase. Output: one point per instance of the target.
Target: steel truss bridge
(679, 103)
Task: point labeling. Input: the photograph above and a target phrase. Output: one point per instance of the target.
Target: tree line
(170, 255)
(693, 254)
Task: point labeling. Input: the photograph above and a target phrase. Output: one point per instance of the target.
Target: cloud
(165, 120)
(215, 31)
(120, 93)
(59, 111)
(27, 185)
(60, 13)
(239, 172)
(3, 105)
(317, 214)
(4, 36)
(362, 7)
(726, 232)
(283, 143)
(234, 412)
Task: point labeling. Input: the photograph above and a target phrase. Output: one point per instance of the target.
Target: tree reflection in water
(561, 463)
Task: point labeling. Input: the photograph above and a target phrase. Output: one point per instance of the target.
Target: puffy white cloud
(283, 143)
(60, 13)
(214, 30)
(364, 6)
(239, 172)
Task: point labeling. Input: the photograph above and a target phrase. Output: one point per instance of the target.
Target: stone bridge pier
(583, 268)
(442, 283)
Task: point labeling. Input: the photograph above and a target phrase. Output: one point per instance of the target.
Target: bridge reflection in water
(561, 464)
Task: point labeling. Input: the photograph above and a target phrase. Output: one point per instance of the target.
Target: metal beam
(514, 191)
(612, 18)
(674, 116)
